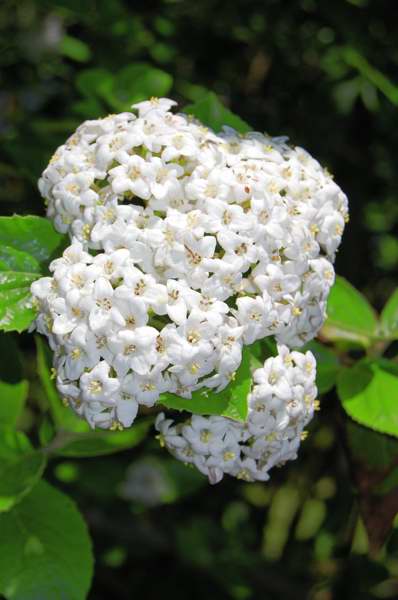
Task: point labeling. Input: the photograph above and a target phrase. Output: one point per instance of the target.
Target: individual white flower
(126, 404)
(230, 216)
(112, 264)
(278, 283)
(159, 104)
(67, 313)
(72, 255)
(189, 260)
(190, 339)
(239, 247)
(147, 388)
(229, 345)
(131, 176)
(189, 371)
(180, 298)
(76, 361)
(74, 191)
(77, 277)
(44, 289)
(253, 315)
(103, 311)
(164, 183)
(137, 284)
(97, 385)
(205, 437)
(134, 350)
(133, 310)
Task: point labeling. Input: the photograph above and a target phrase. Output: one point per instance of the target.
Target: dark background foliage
(323, 73)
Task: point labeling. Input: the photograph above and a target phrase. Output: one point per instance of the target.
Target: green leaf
(75, 438)
(26, 246)
(74, 49)
(350, 316)
(214, 114)
(327, 366)
(13, 387)
(230, 402)
(89, 108)
(369, 394)
(17, 260)
(99, 443)
(260, 351)
(256, 356)
(133, 83)
(95, 85)
(389, 316)
(18, 475)
(49, 555)
(16, 309)
(20, 466)
(34, 235)
(93, 82)
(46, 431)
(12, 443)
(138, 82)
(353, 58)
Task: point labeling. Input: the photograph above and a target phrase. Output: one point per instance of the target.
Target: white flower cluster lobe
(185, 245)
(281, 403)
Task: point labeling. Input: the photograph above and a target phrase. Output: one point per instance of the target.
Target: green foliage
(230, 402)
(16, 310)
(75, 49)
(139, 82)
(27, 244)
(48, 549)
(369, 392)
(32, 235)
(18, 475)
(94, 82)
(350, 316)
(389, 316)
(21, 467)
(99, 443)
(355, 59)
(12, 443)
(103, 89)
(210, 111)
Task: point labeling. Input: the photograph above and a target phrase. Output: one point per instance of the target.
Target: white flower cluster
(185, 245)
(281, 403)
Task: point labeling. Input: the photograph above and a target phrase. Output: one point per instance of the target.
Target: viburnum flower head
(186, 244)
